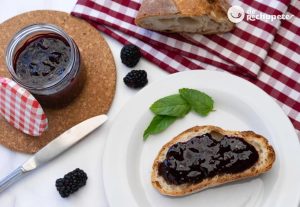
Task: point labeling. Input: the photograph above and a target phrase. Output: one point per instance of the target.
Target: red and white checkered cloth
(264, 52)
(242, 51)
(21, 109)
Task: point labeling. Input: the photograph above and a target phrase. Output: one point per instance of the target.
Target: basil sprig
(158, 124)
(199, 101)
(172, 107)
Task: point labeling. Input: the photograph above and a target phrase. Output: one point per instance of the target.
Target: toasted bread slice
(192, 16)
(265, 161)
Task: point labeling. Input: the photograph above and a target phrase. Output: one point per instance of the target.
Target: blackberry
(136, 79)
(71, 182)
(130, 55)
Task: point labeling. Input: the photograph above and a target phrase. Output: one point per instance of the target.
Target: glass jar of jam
(45, 60)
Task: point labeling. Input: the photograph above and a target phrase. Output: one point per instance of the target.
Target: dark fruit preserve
(204, 157)
(42, 60)
(45, 60)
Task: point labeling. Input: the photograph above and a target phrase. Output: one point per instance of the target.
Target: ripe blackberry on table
(136, 79)
(130, 55)
(71, 182)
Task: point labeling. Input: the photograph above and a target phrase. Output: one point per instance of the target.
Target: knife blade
(54, 148)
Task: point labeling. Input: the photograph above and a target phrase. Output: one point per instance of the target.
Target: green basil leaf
(200, 102)
(173, 105)
(158, 124)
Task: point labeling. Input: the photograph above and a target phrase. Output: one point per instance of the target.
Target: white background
(38, 188)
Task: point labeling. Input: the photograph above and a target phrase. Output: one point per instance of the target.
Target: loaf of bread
(266, 158)
(191, 16)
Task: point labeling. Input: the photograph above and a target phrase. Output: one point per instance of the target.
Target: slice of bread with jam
(207, 156)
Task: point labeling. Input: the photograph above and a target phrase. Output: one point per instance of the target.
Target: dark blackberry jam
(45, 60)
(204, 157)
(42, 59)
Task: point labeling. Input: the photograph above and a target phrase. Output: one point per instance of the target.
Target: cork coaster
(97, 94)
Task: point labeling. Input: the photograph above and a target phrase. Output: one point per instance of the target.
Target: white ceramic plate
(239, 106)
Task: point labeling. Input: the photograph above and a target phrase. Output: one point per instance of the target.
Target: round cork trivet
(99, 88)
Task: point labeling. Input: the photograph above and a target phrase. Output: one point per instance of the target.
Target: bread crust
(156, 8)
(264, 163)
(214, 10)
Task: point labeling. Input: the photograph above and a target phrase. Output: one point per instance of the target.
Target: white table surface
(38, 188)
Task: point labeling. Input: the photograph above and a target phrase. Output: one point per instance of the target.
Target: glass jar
(45, 60)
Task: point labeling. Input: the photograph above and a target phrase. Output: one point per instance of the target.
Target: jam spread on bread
(204, 157)
(42, 59)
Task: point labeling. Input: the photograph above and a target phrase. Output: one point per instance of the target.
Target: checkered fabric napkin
(248, 44)
(278, 70)
(280, 73)
(242, 51)
(21, 109)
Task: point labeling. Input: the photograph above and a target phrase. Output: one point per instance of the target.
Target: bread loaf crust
(157, 8)
(212, 12)
(264, 163)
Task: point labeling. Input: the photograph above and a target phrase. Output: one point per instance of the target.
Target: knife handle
(11, 178)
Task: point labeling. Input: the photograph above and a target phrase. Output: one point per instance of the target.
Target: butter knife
(53, 149)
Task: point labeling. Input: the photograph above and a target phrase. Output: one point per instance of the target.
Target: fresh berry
(136, 79)
(71, 182)
(130, 55)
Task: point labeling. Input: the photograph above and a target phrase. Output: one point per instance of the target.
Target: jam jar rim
(27, 31)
